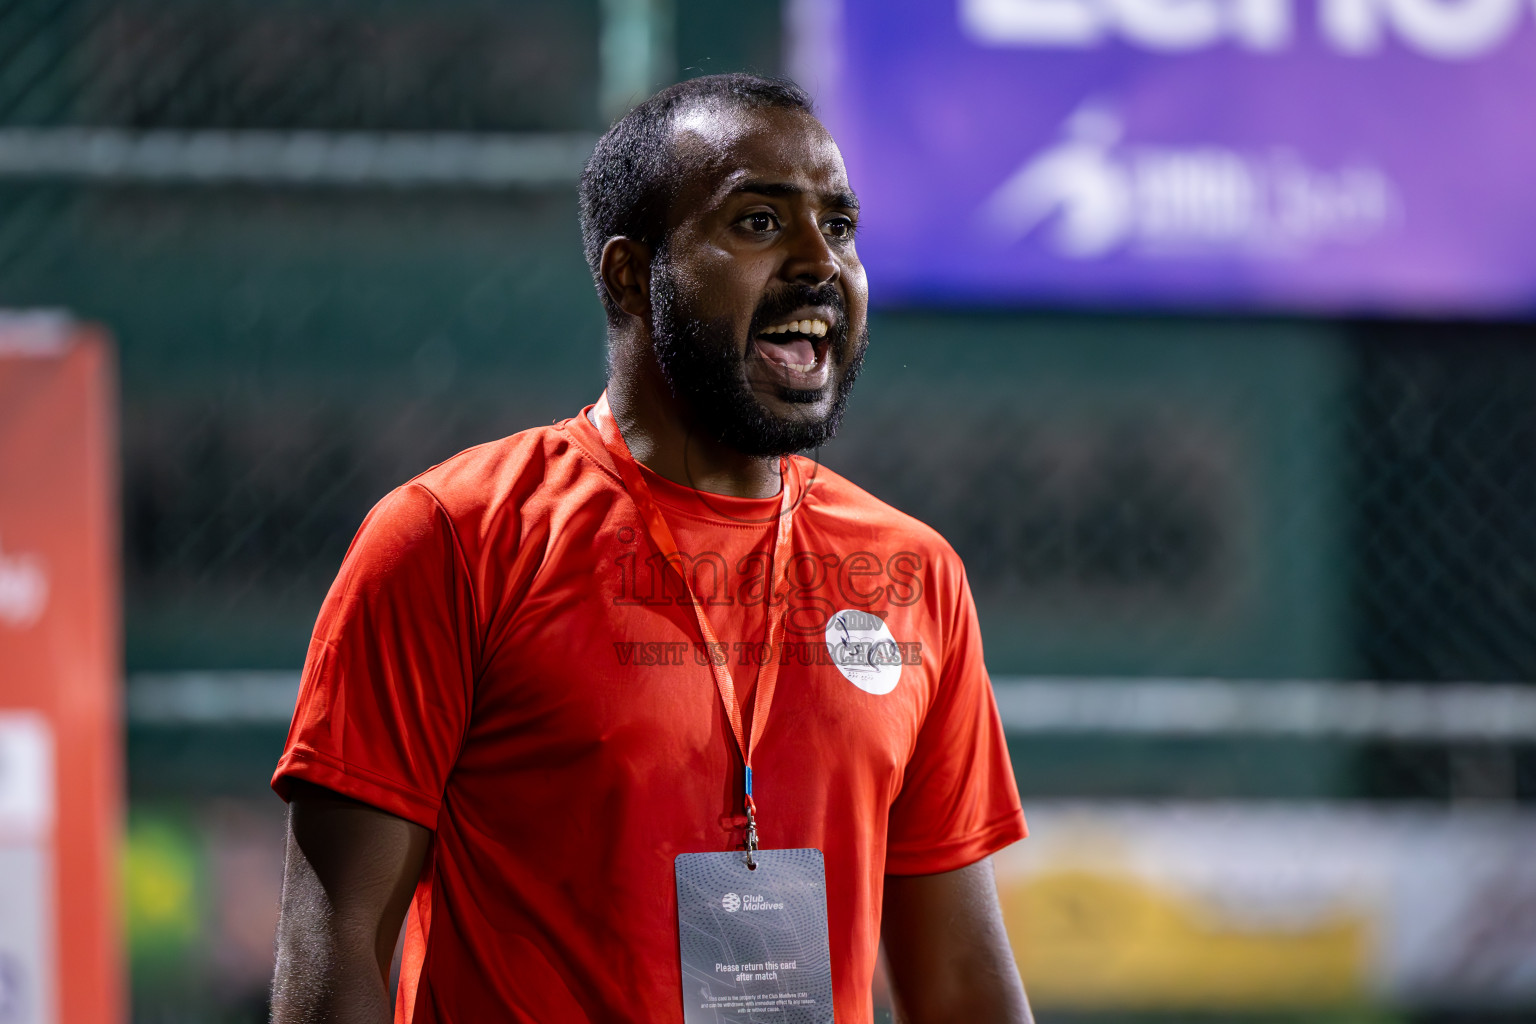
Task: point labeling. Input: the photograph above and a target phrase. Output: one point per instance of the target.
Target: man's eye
(760, 221)
(840, 227)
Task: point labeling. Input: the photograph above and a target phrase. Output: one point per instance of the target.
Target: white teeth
(815, 328)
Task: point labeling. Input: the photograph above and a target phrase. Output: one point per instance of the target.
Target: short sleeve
(958, 801)
(388, 683)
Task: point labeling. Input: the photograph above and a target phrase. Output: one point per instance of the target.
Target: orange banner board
(61, 776)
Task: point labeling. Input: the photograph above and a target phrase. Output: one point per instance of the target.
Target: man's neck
(660, 440)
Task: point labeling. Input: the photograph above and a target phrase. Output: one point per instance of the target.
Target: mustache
(776, 308)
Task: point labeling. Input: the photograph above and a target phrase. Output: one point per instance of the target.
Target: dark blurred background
(1249, 499)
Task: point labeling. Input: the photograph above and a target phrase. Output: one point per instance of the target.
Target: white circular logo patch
(864, 651)
(730, 902)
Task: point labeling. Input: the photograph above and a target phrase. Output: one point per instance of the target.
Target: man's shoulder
(843, 505)
(531, 465)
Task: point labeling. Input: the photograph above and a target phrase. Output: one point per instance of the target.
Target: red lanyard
(661, 537)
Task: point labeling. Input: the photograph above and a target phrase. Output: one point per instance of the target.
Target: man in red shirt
(559, 667)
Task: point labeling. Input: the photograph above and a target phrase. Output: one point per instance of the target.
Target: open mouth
(799, 346)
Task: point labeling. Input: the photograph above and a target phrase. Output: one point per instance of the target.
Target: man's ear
(626, 271)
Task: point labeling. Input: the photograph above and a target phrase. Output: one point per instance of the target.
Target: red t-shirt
(500, 661)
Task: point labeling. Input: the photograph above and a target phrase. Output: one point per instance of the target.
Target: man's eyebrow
(846, 200)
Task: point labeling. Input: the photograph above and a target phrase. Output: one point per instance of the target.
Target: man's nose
(811, 260)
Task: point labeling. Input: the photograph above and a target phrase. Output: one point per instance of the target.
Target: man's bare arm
(347, 882)
(948, 953)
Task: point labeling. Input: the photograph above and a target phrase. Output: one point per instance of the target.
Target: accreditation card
(754, 942)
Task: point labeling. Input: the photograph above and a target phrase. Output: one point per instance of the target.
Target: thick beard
(706, 374)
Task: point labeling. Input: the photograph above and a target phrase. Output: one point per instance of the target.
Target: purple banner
(1327, 156)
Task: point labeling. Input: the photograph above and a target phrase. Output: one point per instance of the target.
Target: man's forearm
(948, 950)
(328, 969)
(329, 984)
(349, 873)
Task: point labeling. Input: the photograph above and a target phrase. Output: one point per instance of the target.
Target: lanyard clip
(751, 839)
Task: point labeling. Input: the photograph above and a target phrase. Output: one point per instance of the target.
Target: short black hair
(633, 174)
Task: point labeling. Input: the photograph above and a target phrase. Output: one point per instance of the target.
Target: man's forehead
(728, 145)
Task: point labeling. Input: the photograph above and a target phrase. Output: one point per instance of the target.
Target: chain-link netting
(354, 65)
(1161, 498)
(1443, 424)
